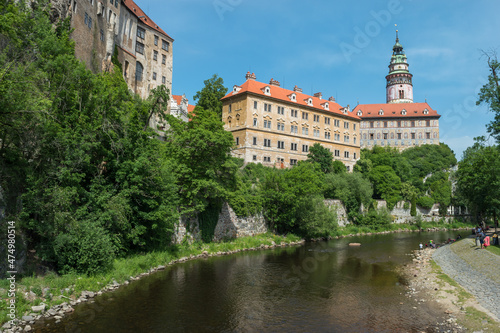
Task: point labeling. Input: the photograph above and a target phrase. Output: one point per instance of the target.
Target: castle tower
(399, 86)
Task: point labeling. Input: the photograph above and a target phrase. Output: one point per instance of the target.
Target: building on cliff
(400, 122)
(276, 127)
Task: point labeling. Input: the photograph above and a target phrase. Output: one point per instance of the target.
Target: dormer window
(426, 111)
(326, 106)
(403, 112)
(293, 97)
(360, 113)
(267, 90)
(381, 112)
(309, 101)
(236, 89)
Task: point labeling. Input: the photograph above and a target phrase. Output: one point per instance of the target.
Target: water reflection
(319, 287)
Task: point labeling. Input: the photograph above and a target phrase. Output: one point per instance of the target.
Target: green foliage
(339, 167)
(322, 156)
(317, 220)
(413, 209)
(376, 218)
(386, 184)
(478, 179)
(209, 98)
(425, 202)
(351, 188)
(490, 94)
(208, 221)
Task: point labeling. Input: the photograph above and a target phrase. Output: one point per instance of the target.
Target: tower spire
(399, 88)
(397, 38)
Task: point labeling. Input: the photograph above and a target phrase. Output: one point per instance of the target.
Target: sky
(340, 48)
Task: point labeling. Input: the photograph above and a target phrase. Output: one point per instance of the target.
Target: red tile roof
(142, 17)
(177, 98)
(395, 110)
(190, 108)
(282, 94)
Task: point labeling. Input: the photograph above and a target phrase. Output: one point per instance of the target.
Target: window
(401, 94)
(229, 108)
(164, 45)
(412, 123)
(385, 136)
(163, 59)
(74, 6)
(305, 131)
(156, 40)
(101, 35)
(154, 76)
(255, 122)
(139, 47)
(385, 124)
(155, 55)
(427, 135)
(346, 154)
(336, 137)
(293, 113)
(348, 168)
(399, 123)
(281, 144)
(305, 148)
(305, 115)
(399, 136)
(316, 133)
(327, 135)
(267, 107)
(293, 129)
(116, 3)
(255, 105)
(354, 140)
(141, 32)
(254, 141)
(337, 153)
(111, 1)
(254, 157)
(163, 80)
(281, 110)
(237, 140)
(354, 127)
(293, 146)
(281, 126)
(354, 155)
(427, 123)
(327, 120)
(371, 124)
(413, 135)
(267, 142)
(139, 69)
(316, 118)
(346, 138)
(346, 125)
(267, 124)
(336, 122)
(125, 71)
(267, 159)
(293, 161)
(88, 21)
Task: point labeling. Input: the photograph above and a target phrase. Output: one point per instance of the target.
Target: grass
(53, 289)
(495, 249)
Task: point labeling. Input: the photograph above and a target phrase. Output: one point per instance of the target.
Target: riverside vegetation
(95, 192)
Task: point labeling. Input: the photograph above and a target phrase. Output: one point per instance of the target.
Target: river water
(317, 287)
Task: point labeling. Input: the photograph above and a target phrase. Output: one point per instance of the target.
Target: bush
(425, 202)
(316, 219)
(376, 218)
(86, 248)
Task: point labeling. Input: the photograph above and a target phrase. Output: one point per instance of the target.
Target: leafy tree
(478, 179)
(338, 167)
(322, 156)
(386, 184)
(209, 98)
(490, 94)
(352, 189)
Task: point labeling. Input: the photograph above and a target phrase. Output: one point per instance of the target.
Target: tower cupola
(399, 88)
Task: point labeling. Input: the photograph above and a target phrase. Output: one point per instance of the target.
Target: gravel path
(477, 270)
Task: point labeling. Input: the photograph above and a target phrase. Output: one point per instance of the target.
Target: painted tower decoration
(399, 85)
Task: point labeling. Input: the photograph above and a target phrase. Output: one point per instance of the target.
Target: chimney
(250, 76)
(331, 99)
(274, 82)
(297, 89)
(318, 95)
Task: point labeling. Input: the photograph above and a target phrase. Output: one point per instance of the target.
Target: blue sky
(340, 48)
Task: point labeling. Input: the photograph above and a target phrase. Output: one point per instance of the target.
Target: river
(318, 287)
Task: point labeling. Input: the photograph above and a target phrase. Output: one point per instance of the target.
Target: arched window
(139, 69)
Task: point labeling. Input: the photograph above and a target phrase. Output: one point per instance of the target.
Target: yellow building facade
(276, 126)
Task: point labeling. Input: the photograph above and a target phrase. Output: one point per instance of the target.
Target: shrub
(86, 248)
(316, 219)
(425, 202)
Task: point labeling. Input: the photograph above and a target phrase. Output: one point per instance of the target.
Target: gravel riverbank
(477, 270)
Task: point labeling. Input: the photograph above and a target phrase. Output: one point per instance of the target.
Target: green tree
(478, 179)
(322, 156)
(490, 94)
(209, 98)
(386, 184)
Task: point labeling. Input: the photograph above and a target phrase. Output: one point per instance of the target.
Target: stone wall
(231, 226)
(340, 210)
(188, 228)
